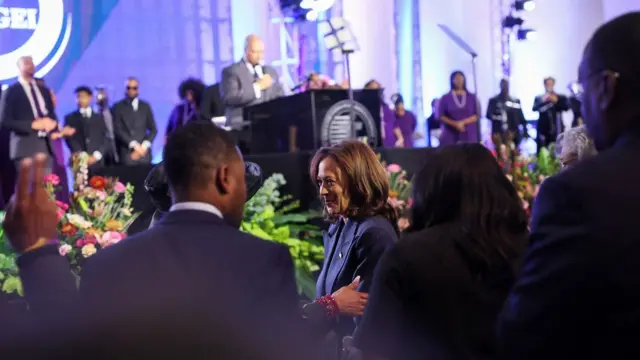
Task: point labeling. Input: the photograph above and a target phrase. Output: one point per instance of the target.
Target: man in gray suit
(26, 110)
(248, 82)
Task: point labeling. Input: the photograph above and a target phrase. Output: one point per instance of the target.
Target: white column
(373, 24)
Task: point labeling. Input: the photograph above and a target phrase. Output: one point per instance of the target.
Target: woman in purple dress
(459, 112)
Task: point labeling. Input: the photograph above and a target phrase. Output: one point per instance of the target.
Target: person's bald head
(610, 78)
(254, 50)
(26, 67)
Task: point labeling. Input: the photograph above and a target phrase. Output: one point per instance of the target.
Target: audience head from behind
(610, 80)
(464, 184)
(574, 145)
(84, 95)
(202, 164)
(352, 183)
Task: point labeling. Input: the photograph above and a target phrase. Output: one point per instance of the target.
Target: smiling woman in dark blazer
(354, 189)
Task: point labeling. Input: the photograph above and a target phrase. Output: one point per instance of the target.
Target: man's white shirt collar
(199, 206)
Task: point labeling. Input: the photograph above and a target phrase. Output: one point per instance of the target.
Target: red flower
(68, 229)
(97, 182)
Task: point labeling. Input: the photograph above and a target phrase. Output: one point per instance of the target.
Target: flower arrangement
(528, 172)
(270, 216)
(98, 214)
(399, 193)
(9, 279)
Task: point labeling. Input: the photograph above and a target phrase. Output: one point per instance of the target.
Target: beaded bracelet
(330, 306)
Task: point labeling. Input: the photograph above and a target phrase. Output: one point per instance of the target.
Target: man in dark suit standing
(505, 113)
(90, 130)
(27, 111)
(134, 127)
(578, 296)
(248, 82)
(194, 273)
(550, 106)
(211, 105)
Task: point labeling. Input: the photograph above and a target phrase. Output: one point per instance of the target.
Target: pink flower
(394, 168)
(101, 195)
(80, 243)
(60, 214)
(64, 249)
(52, 179)
(62, 205)
(89, 239)
(110, 238)
(119, 187)
(409, 202)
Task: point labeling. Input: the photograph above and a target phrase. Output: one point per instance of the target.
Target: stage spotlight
(305, 9)
(526, 34)
(312, 15)
(511, 21)
(526, 5)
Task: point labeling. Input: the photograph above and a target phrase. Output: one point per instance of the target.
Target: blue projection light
(40, 29)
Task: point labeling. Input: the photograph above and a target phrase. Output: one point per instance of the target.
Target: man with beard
(578, 295)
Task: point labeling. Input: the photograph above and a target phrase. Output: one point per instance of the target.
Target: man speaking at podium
(248, 82)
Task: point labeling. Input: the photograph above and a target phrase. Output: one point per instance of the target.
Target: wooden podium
(295, 122)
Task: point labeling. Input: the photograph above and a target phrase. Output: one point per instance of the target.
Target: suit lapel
(330, 240)
(340, 255)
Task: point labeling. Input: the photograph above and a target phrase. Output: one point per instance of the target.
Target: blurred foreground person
(578, 296)
(194, 275)
(437, 293)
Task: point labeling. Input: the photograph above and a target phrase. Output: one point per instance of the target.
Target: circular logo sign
(36, 28)
(337, 125)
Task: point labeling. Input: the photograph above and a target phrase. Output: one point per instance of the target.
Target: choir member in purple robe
(190, 92)
(400, 125)
(459, 112)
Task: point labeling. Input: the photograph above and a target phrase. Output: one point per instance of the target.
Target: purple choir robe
(448, 107)
(406, 123)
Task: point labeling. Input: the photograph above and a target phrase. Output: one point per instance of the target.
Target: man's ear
(607, 89)
(222, 180)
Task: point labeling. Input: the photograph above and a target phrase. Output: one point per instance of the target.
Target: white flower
(88, 250)
(64, 249)
(78, 221)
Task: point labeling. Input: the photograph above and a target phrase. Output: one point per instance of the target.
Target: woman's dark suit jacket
(431, 299)
(352, 248)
